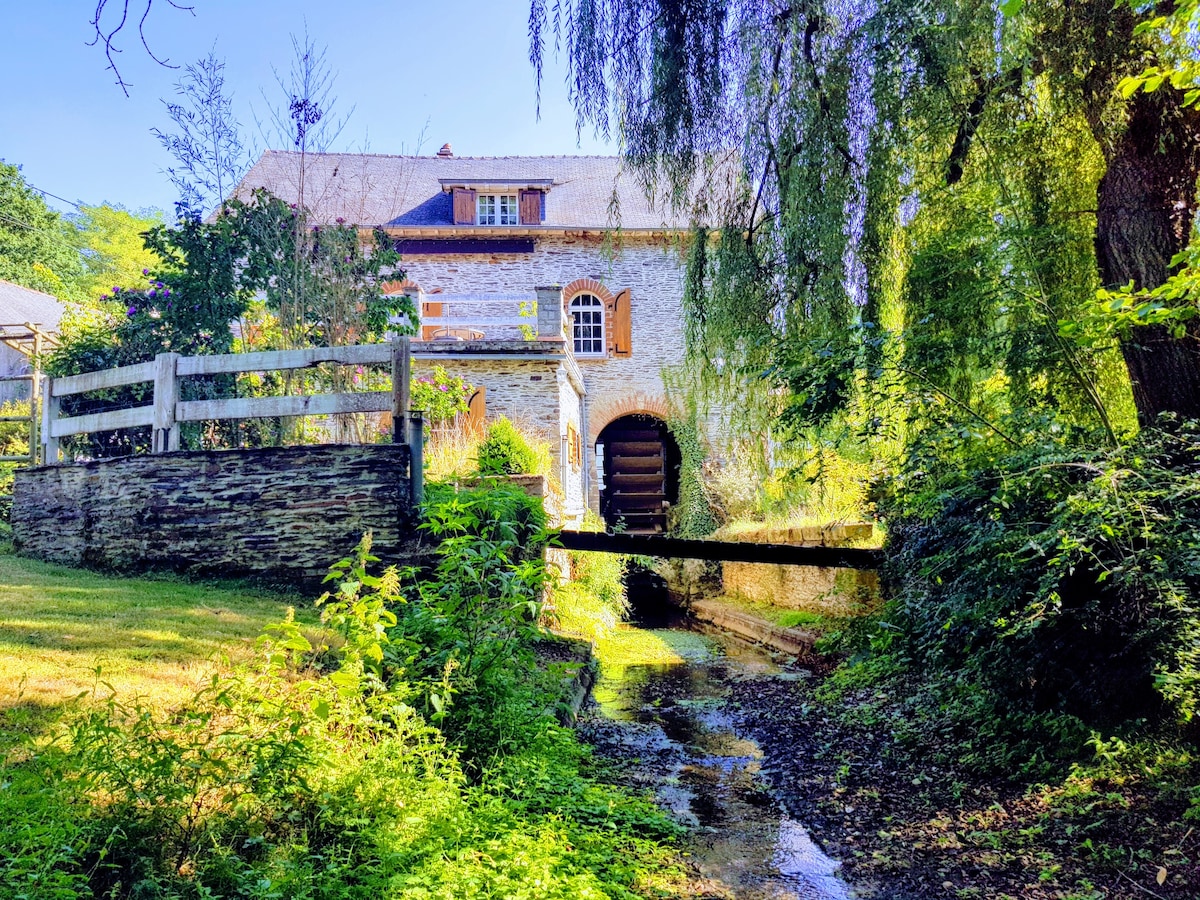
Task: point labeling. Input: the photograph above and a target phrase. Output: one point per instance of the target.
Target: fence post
(416, 450)
(35, 385)
(50, 409)
(166, 395)
(401, 386)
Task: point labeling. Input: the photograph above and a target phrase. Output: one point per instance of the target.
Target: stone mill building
(550, 282)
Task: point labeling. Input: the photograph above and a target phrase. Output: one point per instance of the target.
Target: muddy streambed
(663, 713)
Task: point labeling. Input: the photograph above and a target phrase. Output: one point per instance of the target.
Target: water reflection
(671, 728)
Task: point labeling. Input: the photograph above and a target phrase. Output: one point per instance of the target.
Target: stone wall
(652, 271)
(279, 514)
(824, 591)
(525, 391)
(541, 398)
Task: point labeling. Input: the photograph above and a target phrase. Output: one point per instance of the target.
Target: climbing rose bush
(441, 396)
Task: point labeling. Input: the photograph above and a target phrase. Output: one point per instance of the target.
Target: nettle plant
(455, 636)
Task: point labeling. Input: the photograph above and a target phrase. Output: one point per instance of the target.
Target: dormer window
(497, 202)
(496, 209)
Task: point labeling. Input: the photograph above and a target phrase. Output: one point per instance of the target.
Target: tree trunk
(1144, 212)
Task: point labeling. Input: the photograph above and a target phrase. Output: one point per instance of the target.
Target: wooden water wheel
(641, 474)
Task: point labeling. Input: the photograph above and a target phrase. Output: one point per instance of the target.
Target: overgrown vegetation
(593, 602)
(408, 751)
(921, 270)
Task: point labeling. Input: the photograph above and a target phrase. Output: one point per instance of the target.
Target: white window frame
(497, 209)
(588, 339)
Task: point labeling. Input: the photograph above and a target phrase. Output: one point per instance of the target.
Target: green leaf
(1129, 85)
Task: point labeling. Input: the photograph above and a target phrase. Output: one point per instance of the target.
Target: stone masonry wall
(281, 514)
(525, 391)
(825, 591)
(653, 272)
(571, 471)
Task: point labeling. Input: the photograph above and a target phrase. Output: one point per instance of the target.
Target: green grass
(63, 631)
(343, 795)
(783, 617)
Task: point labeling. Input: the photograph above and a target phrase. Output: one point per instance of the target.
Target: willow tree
(960, 179)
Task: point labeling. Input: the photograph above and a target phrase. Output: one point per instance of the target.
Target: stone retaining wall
(278, 514)
(825, 591)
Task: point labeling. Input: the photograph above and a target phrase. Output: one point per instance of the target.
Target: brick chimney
(446, 152)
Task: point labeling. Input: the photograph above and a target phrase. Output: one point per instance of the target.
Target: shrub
(1050, 581)
(441, 396)
(295, 783)
(506, 451)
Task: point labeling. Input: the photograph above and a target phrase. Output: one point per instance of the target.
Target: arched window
(587, 325)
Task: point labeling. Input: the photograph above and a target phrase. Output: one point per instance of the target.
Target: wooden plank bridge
(724, 551)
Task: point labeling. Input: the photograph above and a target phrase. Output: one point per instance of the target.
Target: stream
(662, 711)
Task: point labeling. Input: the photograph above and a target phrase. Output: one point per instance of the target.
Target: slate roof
(19, 305)
(406, 191)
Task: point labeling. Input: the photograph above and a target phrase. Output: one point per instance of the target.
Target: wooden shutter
(531, 207)
(464, 207)
(622, 325)
(429, 309)
(477, 410)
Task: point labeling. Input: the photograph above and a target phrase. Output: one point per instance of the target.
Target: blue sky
(455, 70)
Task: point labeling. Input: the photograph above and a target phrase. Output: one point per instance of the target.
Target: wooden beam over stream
(724, 551)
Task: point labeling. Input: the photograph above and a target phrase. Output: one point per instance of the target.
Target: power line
(55, 196)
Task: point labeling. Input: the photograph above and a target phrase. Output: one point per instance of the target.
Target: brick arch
(606, 411)
(391, 288)
(587, 286)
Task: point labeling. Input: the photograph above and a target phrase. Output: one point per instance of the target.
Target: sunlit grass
(782, 616)
(67, 631)
(627, 647)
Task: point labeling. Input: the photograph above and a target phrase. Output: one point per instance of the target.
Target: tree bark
(1144, 214)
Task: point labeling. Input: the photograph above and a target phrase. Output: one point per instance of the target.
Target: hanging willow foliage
(899, 200)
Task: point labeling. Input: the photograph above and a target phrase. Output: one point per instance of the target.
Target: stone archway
(639, 473)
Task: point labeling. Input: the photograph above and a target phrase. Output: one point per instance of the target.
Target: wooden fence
(167, 410)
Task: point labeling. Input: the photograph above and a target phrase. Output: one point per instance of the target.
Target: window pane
(587, 325)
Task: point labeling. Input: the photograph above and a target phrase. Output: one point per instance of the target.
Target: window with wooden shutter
(622, 325)
(464, 207)
(429, 310)
(531, 207)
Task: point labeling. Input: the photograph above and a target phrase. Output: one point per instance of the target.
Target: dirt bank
(906, 829)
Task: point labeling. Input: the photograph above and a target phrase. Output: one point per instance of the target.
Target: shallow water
(669, 723)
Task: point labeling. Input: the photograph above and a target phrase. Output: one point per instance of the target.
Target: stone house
(550, 282)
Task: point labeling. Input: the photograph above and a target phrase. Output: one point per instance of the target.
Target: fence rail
(491, 315)
(167, 411)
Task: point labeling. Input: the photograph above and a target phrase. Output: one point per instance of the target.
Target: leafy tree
(868, 138)
(37, 249)
(916, 205)
(111, 241)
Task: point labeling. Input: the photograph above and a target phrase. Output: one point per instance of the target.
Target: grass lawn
(64, 631)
